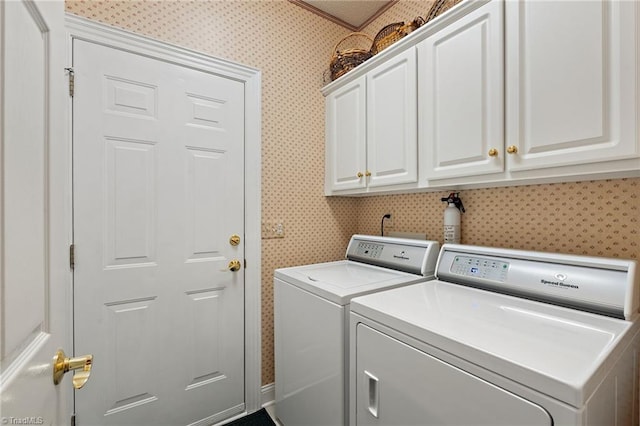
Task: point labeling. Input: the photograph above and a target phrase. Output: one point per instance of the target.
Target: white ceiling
(354, 12)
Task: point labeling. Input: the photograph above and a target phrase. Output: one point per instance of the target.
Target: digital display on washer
(370, 250)
(480, 268)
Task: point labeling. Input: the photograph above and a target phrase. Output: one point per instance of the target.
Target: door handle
(62, 364)
(374, 396)
(235, 265)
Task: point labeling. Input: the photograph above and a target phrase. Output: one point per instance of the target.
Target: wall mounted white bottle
(451, 224)
(452, 229)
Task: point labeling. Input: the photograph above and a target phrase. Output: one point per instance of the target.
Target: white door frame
(84, 29)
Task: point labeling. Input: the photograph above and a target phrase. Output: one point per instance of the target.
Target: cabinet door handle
(373, 402)
(493, 152)
(359, 175)
(512, 149)
(368, 173)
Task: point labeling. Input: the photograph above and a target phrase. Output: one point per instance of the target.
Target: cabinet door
(460, 82)
(571, 82)
(392, 144)
(397, 384)
(345, 138)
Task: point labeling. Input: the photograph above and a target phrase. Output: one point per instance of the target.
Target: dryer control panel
(599, 285)
(489, 269)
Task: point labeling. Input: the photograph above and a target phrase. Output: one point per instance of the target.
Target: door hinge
(72, 81)
(73, 420)
(72, 256)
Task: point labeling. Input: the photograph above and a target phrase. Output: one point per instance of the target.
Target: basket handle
(435, 9)
(367, 36)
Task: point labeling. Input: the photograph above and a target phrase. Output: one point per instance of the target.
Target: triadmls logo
(560, 283)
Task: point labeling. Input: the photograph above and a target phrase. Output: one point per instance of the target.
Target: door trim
(84, 29)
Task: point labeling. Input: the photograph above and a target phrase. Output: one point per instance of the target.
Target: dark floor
(259, 418)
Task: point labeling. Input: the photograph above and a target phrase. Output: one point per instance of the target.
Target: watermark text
(28, 420)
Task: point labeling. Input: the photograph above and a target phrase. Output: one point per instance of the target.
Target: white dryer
(501, 337)
(311, 322)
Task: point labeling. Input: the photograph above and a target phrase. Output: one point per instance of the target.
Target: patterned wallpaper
(292, 48)
(600, 218)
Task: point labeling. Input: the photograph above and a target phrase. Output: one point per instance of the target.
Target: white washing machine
(311, 322)
(501, 337)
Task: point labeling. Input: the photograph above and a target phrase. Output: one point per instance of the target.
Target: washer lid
(558, 351)
(340, 281)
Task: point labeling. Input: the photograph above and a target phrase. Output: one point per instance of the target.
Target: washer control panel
(476, 267)
(413, 256)
(369, 250)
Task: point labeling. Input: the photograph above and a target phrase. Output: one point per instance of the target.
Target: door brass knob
(359, 175)
(512, 149)
(62, 364)
(493, 152)
(368, 173)
(235, 265)
(234, 240)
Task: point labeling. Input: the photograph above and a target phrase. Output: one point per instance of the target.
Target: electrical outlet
(389, 223)
(279, 230)
(272, 229)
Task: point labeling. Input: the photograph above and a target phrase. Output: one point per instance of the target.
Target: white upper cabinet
(572, 76)
(392, 142)
(371, 129)
(345, 146)
(460, 103)
(495, 93)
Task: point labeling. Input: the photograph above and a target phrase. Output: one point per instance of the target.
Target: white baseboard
(268, 395)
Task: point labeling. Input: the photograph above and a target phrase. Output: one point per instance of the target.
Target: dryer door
(401, 385)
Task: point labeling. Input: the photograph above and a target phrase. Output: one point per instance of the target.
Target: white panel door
(34, 213)
(392, 141)
(158, 191)
(346, 137)
(397, 384)
(461, 96)
(572, 76)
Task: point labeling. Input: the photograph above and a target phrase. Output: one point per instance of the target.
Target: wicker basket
(392, 33)
(438, 7)
(343, 61)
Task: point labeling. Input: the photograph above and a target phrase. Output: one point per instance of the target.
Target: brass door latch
(235, 265)
(62, 364)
